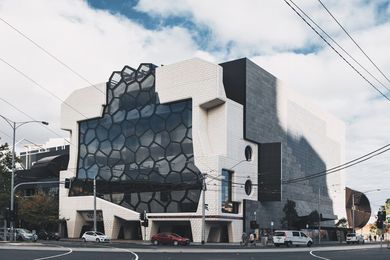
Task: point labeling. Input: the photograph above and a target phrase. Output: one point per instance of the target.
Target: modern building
(150, 135)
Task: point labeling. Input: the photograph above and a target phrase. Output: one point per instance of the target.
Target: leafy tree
(290, 218)
(342, 223)
(39, 211)
(5, 175)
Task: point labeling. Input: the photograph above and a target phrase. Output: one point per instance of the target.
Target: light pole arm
(34, 182)
(9, 121)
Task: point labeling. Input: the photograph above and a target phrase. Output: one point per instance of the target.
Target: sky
(96, 37)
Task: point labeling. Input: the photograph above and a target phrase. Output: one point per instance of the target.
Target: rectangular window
(270, 172)
(295, 234)
(226, 191)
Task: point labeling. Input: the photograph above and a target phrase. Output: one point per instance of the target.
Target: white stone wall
(217, 133)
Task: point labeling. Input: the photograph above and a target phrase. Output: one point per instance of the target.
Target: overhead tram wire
(341, 167)
(337, 52)
(40, 86)
(353, 40)
(50, 54)
(338, 45)
(33, 119)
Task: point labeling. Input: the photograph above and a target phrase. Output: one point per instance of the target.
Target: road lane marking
(59, 255)
(323, 258)
(123, 249)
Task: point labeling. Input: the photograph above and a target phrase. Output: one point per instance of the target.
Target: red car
(169, 238)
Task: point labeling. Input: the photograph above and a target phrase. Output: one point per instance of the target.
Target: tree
(39, 211)
(290, 218)
(342, 223)
(5, 176)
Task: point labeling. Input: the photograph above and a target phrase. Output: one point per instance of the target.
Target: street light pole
(319, 215)
(15, 125)
(353, 212)
(94, 204)
(203, 208)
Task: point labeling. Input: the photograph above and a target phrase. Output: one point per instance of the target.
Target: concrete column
(235, 228)
(196, 228)
(111, 225)
(74, 225)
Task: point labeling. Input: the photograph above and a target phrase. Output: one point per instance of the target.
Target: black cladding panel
(234, 79)
(270, 172)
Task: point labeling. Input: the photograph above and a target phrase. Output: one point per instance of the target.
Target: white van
(291, 237)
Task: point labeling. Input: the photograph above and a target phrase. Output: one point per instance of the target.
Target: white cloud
(94, 43)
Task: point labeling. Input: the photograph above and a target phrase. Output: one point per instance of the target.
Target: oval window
(248, 187)
(248, 153)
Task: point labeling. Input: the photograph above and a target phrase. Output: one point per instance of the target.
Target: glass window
(295, 234)
(226, 190)
(141, 151)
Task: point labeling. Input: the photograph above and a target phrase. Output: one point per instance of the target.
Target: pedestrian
(244, 239)
(370, 238)
(375, 238)
(252, 239)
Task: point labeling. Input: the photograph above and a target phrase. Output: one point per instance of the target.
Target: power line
(353, 40)
(337, 52)
(50, 54)
(338, 45)
(40, 86)
(30, 117)
(342, 166)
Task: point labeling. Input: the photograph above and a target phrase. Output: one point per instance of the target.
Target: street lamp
(15, 125)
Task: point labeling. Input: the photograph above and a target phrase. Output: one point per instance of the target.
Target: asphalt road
(114, 251)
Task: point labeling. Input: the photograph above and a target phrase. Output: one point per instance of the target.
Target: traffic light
(68, 183)
(379, 223)
(384, 215)
(145, 223)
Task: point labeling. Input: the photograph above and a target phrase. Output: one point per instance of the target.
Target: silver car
(95, 236)
(22, 234)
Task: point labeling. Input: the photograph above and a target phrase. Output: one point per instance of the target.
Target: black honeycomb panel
(140, 150)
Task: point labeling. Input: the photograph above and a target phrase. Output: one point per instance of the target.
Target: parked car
(22, 234)
(94, 236)
(291, 237)
(45, 235)
(353, 238)
(4, 233)
(170, 238)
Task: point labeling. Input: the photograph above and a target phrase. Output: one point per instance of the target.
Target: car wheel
(289, 243)
(155, 242)
(175, 243)
(84, 240)
(97, 240)
(348, 243)
(309, 244)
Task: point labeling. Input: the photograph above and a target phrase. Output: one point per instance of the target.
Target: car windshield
(99, 234)
(351, 235)
(175, 235)
(22, 230)
(279, 234)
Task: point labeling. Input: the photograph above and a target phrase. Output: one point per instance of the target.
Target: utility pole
(94, 204)
(15, 125)
(11, 224)
(353, 212)
(319, 215)
(203, 208)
